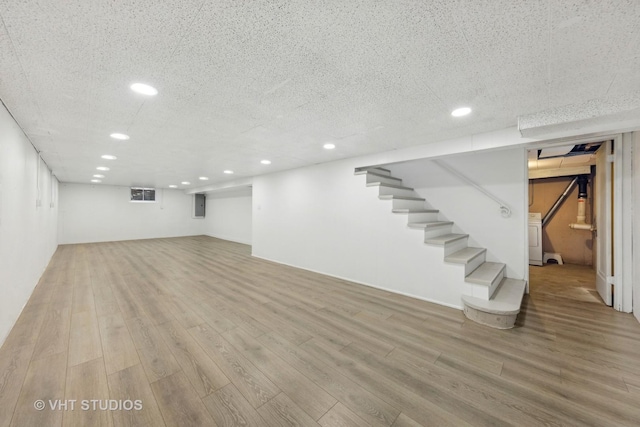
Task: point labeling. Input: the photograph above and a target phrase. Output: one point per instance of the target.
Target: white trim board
(362, 283)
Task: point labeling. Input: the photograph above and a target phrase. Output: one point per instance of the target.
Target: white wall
(28, 233)
(100, 213)
(636, 224)
(501, 173)
(228, 216)
(323, 218)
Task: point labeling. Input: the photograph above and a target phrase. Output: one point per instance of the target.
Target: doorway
(570, 227)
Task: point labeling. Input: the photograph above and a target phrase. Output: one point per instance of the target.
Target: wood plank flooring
(202, 334)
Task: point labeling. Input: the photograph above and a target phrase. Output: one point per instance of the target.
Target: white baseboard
(231, 239)
(393, 291)
(4, 338)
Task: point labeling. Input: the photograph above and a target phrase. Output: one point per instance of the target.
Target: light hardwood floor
(577, 282)
(203, 334)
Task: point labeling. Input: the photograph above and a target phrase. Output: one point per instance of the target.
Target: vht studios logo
(88, 405)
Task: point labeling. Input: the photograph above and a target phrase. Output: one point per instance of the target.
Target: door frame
(622, 214)
(604, 221)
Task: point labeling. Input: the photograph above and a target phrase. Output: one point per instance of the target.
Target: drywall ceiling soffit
(239, 83)
(238, 184)
(617, 110)
(230, 193)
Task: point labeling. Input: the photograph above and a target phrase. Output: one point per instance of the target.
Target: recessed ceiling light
(109, 157)
(98, 176)
(265, 162)
(228, 172)
(329, 146)
(144, 89)
(203, 178)
(102, 168)
(120, 136)
(185, 183)
(173, 186)
(459, 112)
(95, 180)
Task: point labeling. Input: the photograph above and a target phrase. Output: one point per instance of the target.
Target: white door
(603, 219)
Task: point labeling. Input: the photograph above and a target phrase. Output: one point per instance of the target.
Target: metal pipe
(580, 223)
(582, 186)
(558, 202)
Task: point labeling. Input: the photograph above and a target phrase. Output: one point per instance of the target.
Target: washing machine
(535, 238)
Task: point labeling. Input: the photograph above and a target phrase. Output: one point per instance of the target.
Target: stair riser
(379, 171)
(437, 231)
(408, 204)
(496, 283)
(382, 179)
(480, 291)
(390, 191)
(475, 263)
(422, 217)
(453, 247)
(486, 292)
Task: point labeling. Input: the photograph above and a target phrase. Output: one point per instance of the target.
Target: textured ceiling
(241, 81)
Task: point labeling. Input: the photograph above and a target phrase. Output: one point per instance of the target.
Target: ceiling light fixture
(459, 112)
(120, 136)
(98, 176)
(228, 172)
(144, 89)
(265, 162)
(102, 168)
(173, 186)
(203, 178)
(329, 146)
(109, 157)
(95, 180)
(185, 183)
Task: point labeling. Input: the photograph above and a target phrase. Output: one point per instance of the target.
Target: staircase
(489, 297)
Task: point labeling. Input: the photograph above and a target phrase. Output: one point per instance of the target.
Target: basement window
(142, 195)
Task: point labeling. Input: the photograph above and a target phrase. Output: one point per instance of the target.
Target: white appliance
(535, 238)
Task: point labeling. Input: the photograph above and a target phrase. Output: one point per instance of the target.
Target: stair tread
(445, 238)
(375, 169)
(464, 256)
(408, 211)
(382, 184)
(391, 197)
(486, 273)
(429, 224)
(368, 172)
(506, 300)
